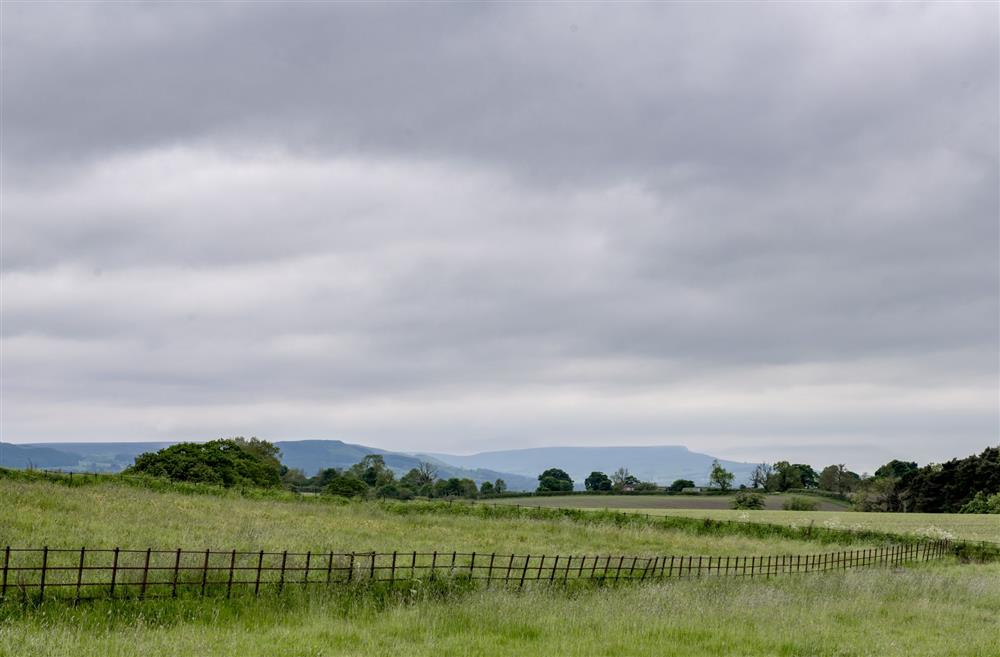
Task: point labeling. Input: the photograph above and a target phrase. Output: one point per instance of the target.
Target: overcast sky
(761, 231)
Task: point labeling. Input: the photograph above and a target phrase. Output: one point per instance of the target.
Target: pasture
(927, 609)
(972, 527)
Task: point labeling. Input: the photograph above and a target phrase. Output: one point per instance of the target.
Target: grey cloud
(249, 211)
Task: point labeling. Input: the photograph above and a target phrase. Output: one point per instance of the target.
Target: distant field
(936, 525)
(112, 514)
(772, 502)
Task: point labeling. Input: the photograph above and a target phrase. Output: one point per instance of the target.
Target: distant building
(692, 489)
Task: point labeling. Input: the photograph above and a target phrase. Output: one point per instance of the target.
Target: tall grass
(920, 612)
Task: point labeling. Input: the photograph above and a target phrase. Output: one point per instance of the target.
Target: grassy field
(772, 502)
(920, 612)
(108, 515)
(933, 609)
(934, 525)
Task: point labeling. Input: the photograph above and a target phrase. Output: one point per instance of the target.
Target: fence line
(88, 573)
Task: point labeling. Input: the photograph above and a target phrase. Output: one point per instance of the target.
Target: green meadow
(971, 527)
(927, 609)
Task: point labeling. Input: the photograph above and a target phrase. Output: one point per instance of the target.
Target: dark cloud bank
(757, 230)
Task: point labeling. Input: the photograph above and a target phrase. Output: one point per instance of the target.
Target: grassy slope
(935, 525)
(923, 612)
(106, 515)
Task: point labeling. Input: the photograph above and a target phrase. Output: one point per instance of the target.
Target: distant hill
(310, 456)
(82, 457)
(30, 456)
(661, 464)
(518, 467)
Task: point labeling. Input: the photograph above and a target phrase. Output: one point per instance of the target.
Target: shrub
(982, 504)
(800, 504)
(346, 485)
(747, 499)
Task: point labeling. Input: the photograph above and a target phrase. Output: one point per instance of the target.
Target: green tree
(681, 484)
(227, 462)
(420, 479)
(896, 468)
(838, 479)
(760, 474)
(981, 503)
(722, 478)
(597, 481)
(373, 471)
(786, 476)
(486, 489)
(554, 480)
(499, 486)
(346, 485)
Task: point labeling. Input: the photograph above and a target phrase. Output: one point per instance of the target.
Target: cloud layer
(756, 230)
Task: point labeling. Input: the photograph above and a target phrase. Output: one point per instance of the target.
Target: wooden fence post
(6, 566)
(350, 568)
(413, 565)
(260, 566)
(305, 578)
(371, 572)
(524, 572)
(329, 568)
(204, 571)
(177, 567)
(541, 564)
(79, 575)
(45, 564)
(554, 564)
(114, 572)
(489, 573)
(281, 576)
(472, 566)
(618, 572)
(510, 564)
(232, 569)
(145, 574)
(392, 570)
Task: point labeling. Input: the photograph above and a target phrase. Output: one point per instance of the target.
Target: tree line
(968, 485)
(253, 462)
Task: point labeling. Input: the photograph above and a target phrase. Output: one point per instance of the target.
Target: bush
(982, 504)
(346, 485)
(800, 504)
(747, 499)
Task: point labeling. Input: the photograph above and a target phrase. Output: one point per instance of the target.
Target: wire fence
(88, 573)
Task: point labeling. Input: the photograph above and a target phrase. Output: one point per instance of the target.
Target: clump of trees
(554, 480)
(371, 478)
(227, 462)
(620, 481)
(981, 503)
(956, 486)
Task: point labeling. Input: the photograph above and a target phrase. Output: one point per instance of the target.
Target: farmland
(934, 525)
(939, 608)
